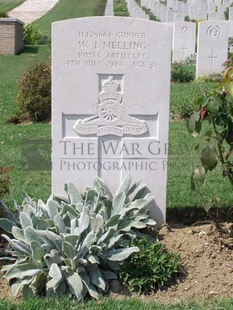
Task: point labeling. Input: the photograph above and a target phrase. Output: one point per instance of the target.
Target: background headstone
(184, 34)
(202, 14)
(111, 89)
(231, 13)
(109, 8)
(193, 12)
(212, 45)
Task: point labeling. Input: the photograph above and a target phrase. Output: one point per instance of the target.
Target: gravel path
(31, 10)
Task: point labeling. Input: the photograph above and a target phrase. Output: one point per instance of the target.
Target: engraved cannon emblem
(111, 117)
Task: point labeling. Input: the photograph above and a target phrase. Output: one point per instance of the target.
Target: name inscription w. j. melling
(112, 50)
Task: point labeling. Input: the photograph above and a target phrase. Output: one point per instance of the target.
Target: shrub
(34, 95)
(100, 8)
(74, 244)
(150, 268)
(31, 35)
(229, 62)
(120, 8)
(4, 180)
(181, 74)
(3, 14)
(186, 109)
(190, 60)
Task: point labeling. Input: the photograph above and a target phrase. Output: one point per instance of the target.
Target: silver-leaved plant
(74, 244)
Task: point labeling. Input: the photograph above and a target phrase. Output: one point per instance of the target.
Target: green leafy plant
(216, 108)
(151, 15)
(74, 244)
(150, 268)
(215, 77)
(34, 94)
(31, 35)
(120, 8)
(181, 73)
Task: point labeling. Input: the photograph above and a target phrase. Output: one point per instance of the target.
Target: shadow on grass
(31, 49)
(192, 214)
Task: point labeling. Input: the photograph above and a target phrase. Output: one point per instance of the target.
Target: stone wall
(11, 36)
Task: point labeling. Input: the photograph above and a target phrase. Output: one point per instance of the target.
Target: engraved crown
(110, 85)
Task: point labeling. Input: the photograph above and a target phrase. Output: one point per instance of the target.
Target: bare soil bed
(207, 260)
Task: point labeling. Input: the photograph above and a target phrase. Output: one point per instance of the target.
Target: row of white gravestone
(212, 45)
(175, 10)
(212, 41)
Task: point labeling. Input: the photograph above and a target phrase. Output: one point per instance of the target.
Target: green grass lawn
(12, 68)
(111, 303)
(7, 5)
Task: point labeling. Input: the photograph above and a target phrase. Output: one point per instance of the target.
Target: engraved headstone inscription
(184, 34)
(212, 46)
(111, 89)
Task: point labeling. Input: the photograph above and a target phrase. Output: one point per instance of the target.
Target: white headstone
(159, 11)
(230, 23)
(202, 14)
(231, 13)
(221, 8)
(226, 3)
(179, 6)
(178, 17)
(193, 12)
(203, 4)
(109, 8)
(111, 89)
(212, 8)
(212, 46)
(216, 16)
(170, 3)
(164, 15)
(185, 9)
(171, 14)
(184, 34)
